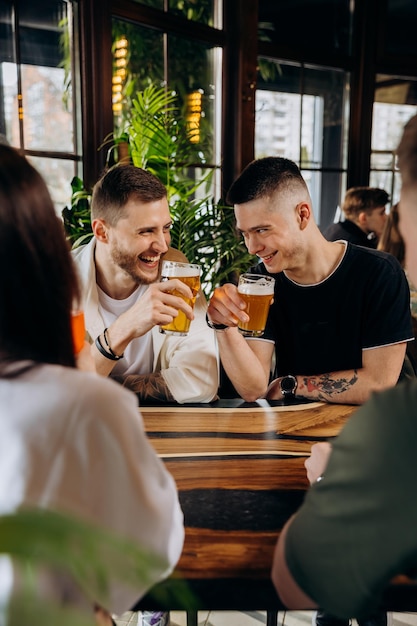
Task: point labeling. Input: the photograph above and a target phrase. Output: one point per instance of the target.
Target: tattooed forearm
(148, 386)
(327, 386)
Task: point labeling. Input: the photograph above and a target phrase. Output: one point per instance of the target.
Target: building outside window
(302, 115)
(37, 112)
(395, 102)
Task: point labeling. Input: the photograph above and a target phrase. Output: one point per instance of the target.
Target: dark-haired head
(263, 177)
(120, 184)
(363, 199)
(38, 280)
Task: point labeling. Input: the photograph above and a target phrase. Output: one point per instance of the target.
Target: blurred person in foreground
(365, 216)
(356, 529)
(125, 302)
(392, 241)
(71, 442)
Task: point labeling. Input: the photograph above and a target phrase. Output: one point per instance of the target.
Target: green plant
(203, 229)
(76, 218)
(91, 556)
(159, 141)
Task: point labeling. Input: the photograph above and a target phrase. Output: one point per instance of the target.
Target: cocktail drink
(258, 293)
(78, 330)
(188, 273)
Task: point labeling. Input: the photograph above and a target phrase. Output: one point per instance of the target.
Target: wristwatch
(214, 326)
(288, 386)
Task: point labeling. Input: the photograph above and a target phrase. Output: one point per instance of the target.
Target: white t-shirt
(74, 442)
(139, 353)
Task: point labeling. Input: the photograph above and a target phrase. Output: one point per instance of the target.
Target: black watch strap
(288, 385)
(214, 326)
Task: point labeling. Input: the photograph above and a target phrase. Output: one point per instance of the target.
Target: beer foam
(178, 271)
(256, 289)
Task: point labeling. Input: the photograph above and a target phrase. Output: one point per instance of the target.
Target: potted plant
(203, 228)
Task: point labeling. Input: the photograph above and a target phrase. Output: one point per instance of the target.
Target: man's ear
(100, 230)
(304, 214)
(362, 219)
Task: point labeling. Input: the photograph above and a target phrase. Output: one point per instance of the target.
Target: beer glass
(78, 330)
(188, 273)
(258, 292)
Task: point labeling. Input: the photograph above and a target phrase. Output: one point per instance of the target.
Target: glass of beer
(78, 330)
(188, 273)
(258, 292)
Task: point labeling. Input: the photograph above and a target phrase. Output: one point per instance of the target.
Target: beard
(129, 264)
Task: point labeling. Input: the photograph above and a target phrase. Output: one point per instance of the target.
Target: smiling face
(271, 230)
(140, 238)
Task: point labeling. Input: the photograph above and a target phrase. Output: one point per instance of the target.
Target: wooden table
(240, 474)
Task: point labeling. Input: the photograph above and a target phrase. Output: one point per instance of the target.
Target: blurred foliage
(92, 556)
(76, 217)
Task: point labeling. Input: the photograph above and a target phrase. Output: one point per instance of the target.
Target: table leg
(192, 618)
(271, 618)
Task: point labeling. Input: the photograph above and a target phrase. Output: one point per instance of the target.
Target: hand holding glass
(258, 293)
(188, 273)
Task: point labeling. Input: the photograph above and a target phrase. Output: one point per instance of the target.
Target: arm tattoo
(327, 386)
(147, 386)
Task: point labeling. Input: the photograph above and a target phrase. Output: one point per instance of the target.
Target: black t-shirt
(364, 303)
(349, 231)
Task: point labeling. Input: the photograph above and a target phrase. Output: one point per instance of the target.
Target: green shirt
(357, 528)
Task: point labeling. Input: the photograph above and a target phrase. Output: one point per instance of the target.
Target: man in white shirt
(125, 302)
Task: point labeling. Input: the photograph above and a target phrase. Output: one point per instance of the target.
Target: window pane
(9, 124)
(47, 120)
(290, 24)
(46, 92)
(301, 114)
(324, 118)
(9, 119)
(156, 4)
(138, 61)
(204, 11)
(191, 70)
(192, 73)
(395, 102)
(400, 28)
(36, 53)
(58, 175)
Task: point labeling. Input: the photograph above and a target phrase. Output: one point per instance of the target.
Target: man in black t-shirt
(365, 217)
(341, 314)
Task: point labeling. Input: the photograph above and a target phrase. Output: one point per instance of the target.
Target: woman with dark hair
(71, 441)
(38, 281)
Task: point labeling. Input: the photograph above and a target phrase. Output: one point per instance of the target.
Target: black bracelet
(214, 326)
(106, 339)
(104, 352)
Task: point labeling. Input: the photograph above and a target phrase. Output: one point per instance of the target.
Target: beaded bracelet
(106, 339)
(104, 352)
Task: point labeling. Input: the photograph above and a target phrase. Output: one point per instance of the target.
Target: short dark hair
(363, 199)
(38, 280)
(263, 177)
(118, 185)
